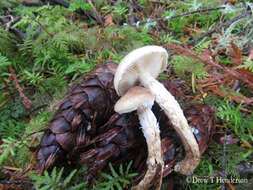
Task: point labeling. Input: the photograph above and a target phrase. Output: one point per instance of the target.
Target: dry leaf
(109, 20)
(236, 54)
(250, 55)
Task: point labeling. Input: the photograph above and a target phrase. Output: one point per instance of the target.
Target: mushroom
(140, 99)
(142, 66)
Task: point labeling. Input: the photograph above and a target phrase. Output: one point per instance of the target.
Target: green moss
(183, 64)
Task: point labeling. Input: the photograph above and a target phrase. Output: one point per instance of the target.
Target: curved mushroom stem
(172, 109)
(155, 164)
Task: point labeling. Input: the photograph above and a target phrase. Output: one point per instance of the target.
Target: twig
(245, 168)
(66, 5)
(185, 14)
(238, 99)
(98, 17)
(26, 101)
(16, 182)
(37, 108)
(224, 161)
(17, 32)
(198, 11)
(42, 26)
(32, 4)
(131, 11)
(223, 2)
(61, 2)
(3, 19)
(228, 22)
(9, 23)
(235, 85)
(206, 58)
(244, 4)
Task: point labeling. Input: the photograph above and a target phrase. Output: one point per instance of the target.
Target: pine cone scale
(66, 140)
(60, 125)
(48, 139)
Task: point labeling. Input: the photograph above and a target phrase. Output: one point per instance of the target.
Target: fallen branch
(238, 99)
(4, 20)
(131, 13)
(42, 27)
(32, 4)
(184, 14)
(26, 101)
(228, 22)
(16, 182)
(216, 79)
(37, 108)
(198, 11)
(97, 16)
(206, 58)
(224, 161)
(60, 2)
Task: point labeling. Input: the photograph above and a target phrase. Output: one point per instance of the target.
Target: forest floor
(45, 45)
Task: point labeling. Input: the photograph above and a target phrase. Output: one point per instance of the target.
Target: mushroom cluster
(140, 68)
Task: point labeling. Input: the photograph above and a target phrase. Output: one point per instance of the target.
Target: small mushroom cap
(151, 59)
(134, 98)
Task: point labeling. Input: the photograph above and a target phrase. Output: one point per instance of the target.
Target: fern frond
(247, 65)
(116, 180)
(53, 181)
(10, 121)
(239, 124)
(184, 64)
(9, 147)
(79, 4)
(8, 43)
(230, 113)
(4, 62)
(26, 47)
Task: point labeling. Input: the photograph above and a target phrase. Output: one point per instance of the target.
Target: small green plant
(247, 65)
(118, 11)
(55, 181)
(4, 72)
(193, 4)
(143, 2)
(79, 4)
(184, 64)
(116, 180)
(34, 78)
(9, 146)
(241, 125)
(4, 61)
(229, 112)
(12, 117)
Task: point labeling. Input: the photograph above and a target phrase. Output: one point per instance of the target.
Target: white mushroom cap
(134, 98)
(139, 61)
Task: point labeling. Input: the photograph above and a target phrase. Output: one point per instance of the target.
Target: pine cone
(89, 105)
(86, 130)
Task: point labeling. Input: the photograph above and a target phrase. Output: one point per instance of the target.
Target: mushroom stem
(151, 133)
(173, 111)
(141, 99)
